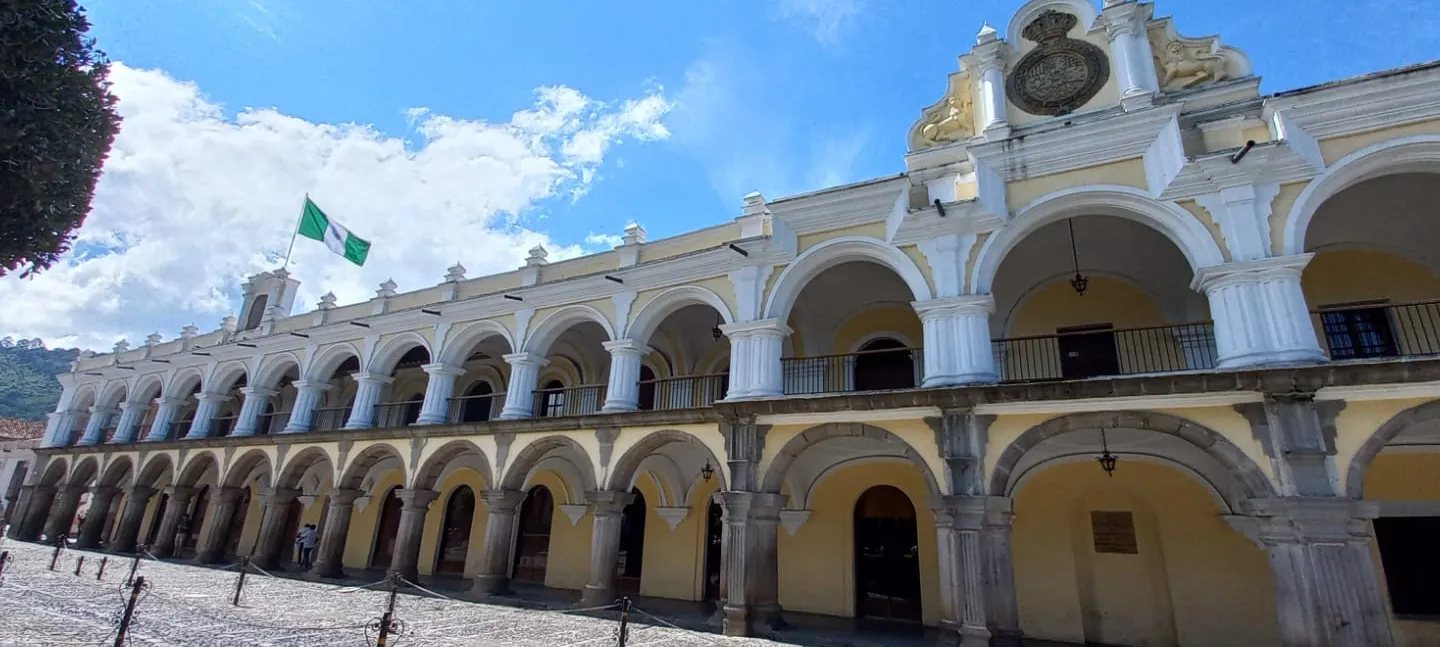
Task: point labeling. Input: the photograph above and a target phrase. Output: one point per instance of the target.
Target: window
(1354, 331)
(1087, 351)
(1411, 563)
(552, 401)
(257, 312)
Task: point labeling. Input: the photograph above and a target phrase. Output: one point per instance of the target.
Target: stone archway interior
(386, 530)
(887, 556)
(455, 531)
(532, 540)
(631, 556)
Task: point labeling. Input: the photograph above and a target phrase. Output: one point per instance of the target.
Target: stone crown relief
(1183, 63)
(1061, 74)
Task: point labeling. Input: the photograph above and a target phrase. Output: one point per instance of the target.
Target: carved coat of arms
(1061, 74)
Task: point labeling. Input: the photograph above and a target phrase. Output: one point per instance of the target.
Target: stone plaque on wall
(1114, 532)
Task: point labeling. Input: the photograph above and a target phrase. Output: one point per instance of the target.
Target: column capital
(344, 496)
(170, 402)
(140, 492)
(279, 496)
(1122, 18)
(416, 498)
(525, 358)
(443, 369)
(1279, 267)
(212, 398)
(313, 385)
(969, 304)
(126, 407)
(627, 347)
(761, 328)
(104, 490)
(963, 512)
(181, 492)
(99, 410)
(258, 391)
(231, 494)
(502, 499)
(372, 378)
(606, 502)
(1305, 520)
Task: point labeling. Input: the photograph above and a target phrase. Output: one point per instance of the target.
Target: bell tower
(266, 292)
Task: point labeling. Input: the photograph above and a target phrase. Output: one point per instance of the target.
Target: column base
(751, 620)
(488, 585)
(422, 420)
(596, 597)
(326, 571)
(1273, 358)
(959, 379)
(619, 407)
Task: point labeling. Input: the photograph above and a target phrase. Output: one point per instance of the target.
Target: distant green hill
(28, 389)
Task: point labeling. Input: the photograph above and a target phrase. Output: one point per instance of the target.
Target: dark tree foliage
(57, 120)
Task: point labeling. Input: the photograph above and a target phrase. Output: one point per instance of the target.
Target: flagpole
(296, 233)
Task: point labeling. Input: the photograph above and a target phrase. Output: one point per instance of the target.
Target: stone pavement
(191, 606)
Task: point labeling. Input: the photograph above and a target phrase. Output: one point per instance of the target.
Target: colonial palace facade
(1129, 354)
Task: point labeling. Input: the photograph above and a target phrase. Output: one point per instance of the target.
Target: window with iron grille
(1355, 331)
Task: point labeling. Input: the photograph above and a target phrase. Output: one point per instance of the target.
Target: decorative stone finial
(122, 346)
(327, 302)
(281, 274)
(85, 354)
(387, 289)
(987, 34)
(228, 324)
(537, 256)
(456, 273)
(189, 332)
(634, 234)
(153, 339)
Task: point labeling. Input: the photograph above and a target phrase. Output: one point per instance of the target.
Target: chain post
(135, 565)
(55, 558)
(129, 611)
(100, 573)
(240, 581)
(624, 604)
(384, 634)
(79, 564)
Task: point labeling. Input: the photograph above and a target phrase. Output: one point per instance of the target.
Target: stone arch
(300, 464)
(323, 366)
(118, 472)
(1188, 234)
(437, 465)
(834, 252)
(625, 470)
(459, 342)
(1248, 475)
(182, 383)
(1417, 153)
(54, 472)
(86, 469)
(196, 467)
(359, 466)
(252, 461)
(152, 470)
(549, 330)
(223, 378)
(648, 320)
(147, 388)
(1360, 463)
(112, 394)
(573, 464)
(383, 360)
(775, 476)
(84, 398)
(274, 367)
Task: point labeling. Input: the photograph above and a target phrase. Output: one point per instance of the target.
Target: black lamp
(1107, 460)
(707, 471)
(716, 333)
(1079, 282)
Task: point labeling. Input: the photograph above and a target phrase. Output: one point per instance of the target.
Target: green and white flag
(318, 226)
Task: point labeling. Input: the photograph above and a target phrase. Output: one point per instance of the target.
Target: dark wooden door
(1088, 351)
(884, 364)
(385, 531)
(647, 389)
(532, 542)
(455, 533)
(714, 535)
(631, 557)
(887, 557)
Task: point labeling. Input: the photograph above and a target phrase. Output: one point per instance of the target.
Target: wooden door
(631, 557)
(455, 532)
(887, 557)
(532, 541)
(1088, 351)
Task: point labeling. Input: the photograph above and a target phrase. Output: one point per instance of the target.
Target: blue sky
(780, 96)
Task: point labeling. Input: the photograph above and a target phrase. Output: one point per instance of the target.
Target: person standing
(308, 538)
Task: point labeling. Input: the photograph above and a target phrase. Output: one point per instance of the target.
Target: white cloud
(191, 202)
(604, 241)
(827, 20)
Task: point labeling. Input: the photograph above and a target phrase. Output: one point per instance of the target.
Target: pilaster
(1243, 213)
(1261, 317)
(957, 340)
(1130, 46)
(989, 53)
(1298, 434)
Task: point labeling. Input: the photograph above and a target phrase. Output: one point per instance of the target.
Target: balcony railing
(1093, 352)
(476, 408)
(178, 429)
(397, 414)
(330, 418)
(223, 425)
(1378, 330)
(272, 423)
(686, 392)
(873, 370)
(569, 401)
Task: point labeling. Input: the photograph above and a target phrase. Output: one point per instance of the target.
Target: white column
(362, 415)
(1134, 71)
(307, 398)
(957, 340)
(254, 404)
(130, 414)
(205, 414)
(1261, 318)
(95, 428)
(57, 427)
(438, 390)
(991, 103)
(755, 348)
(623, 393)
(520, 395)
(160, 426)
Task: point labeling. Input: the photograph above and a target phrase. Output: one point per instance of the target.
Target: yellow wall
(1129, 173)
(435, 521)
(675, 559)
(1191, 569)
(874, 230)
(568, 564)
(361, 537)
(817, 565)
(1357, 422)
(1406, 477)
(1338, 147)
(883, 318)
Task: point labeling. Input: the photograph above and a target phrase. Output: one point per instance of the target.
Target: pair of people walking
(305, 542)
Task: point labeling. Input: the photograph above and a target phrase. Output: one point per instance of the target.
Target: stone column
(520, 393)
(211, 547)
(35, 501)
(205, 414)
(270, 543)
(132, 517)
(1130, 45)
(330, 556)
(436, 408)
(59, 428)
(991, 104)
(623, 392)
(416, 503)
(307, 398)
(248, 424)
(62, 514)
(755, 348)
(97, 518)
(749, 562)
(95, 428)
(362, 414)
(977, 582)
(604, 546)
(164, 415)
(130, 415)
(1326, 588)
(175, 509)
(1003, 608)
(1261, 317)
(957, 340)
(501, 507)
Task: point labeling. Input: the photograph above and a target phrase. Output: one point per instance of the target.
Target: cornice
(962, 218)
(1271, 162)
(1080, 141)
(1381, 100)
(845, 207)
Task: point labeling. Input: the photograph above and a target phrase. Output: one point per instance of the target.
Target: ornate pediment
(1183, 63)
(949, 120)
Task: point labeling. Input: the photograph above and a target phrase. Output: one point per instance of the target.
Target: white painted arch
(648, 320)
(387, 355)
(458, 343)
(837, 251)
(549, 330)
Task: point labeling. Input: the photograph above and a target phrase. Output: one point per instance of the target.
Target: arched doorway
(455, 532)
(714, 538)
(632, 546)
(195, 521)
(478, 403)
(884, 364)
(887, 557)
(552, 401)
(647, 389)
(154, 532)
(386, 530)
(236, 527)
(532, 542)
(291, 551)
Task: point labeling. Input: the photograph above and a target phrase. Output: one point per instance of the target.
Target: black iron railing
(222, 426)
(178, 429)
(330, 418)
(272, 423)
(397, 414)
(1100, 351)
(874, 370)
(1379, 329)
(476, 408)
(569, 401)
(686, 392)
